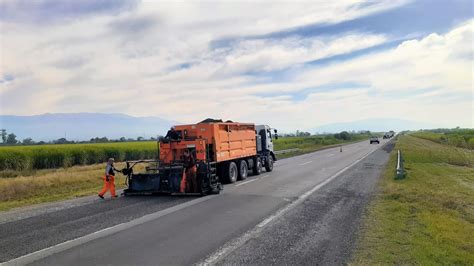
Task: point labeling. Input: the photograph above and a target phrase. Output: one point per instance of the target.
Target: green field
(15, 160)
(427, 218)
(463, 138)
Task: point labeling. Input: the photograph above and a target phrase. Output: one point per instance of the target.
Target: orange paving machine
(219, 152)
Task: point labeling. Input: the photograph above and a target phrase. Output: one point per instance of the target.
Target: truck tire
(257, 167)
(243, 170)
(269, 164)
(230, 172)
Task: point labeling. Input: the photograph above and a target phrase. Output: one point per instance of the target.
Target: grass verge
(427, 218)
(54, 185)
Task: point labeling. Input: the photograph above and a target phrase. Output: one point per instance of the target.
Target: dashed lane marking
(246, 182)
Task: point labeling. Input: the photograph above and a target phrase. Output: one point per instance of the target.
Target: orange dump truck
(223, 152)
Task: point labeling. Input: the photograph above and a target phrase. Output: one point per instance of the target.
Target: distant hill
(83, 126)
(375, 125)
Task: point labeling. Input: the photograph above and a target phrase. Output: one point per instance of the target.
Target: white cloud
(92, 65)
(269, 55)
(436, 61)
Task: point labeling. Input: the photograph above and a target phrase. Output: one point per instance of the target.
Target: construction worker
(109, 179)
(191, 170)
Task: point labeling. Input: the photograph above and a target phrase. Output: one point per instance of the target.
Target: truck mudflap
(273, 156)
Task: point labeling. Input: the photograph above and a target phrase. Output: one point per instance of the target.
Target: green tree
(11, 139)
(61, 141)
(28, 141)
(4, 135)
(345, 135)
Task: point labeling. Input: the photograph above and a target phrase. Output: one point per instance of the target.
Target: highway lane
(186, 235)
(23, 236)
(322, 229)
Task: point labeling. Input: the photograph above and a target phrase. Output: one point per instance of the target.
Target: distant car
(388, 134)
(374, 139)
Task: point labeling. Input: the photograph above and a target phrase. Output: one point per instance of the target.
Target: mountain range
(83, 126)
(374, 125)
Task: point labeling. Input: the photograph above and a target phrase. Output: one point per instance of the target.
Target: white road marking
(237, 242)
(40, 254)
(306, 163)
(246, 182)
(264, 176)
(330, 155)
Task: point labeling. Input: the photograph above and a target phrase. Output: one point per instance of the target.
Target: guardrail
(400, 171)
(286, 151)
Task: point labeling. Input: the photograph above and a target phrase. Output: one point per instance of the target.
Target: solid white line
(246, 182)
(40, 254)
(306, 163)
(264, 176)
(237, 242)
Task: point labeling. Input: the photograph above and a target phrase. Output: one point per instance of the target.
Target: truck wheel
(243, 170)
(231, 172)
(257, 167)
(269, 164)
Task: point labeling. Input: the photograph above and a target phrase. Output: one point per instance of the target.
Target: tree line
(343, 135)
(11, 139)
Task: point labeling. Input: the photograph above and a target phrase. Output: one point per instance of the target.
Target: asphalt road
(306, 211)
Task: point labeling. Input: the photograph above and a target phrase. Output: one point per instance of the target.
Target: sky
(294, 64)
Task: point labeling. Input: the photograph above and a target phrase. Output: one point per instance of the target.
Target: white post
(398, 160)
